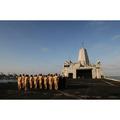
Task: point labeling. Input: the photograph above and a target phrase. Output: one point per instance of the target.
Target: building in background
(82, 69)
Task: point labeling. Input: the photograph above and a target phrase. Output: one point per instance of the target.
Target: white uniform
(35, 81)
(40, 81)
(30, 81)
(19, 82)
(55, 80)
(45, 82)
(50, 82)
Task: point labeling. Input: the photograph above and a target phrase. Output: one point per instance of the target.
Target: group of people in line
(38, 81)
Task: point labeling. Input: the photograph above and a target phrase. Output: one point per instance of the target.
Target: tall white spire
(83, 57)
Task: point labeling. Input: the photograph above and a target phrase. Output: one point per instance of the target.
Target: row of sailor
(43, 81)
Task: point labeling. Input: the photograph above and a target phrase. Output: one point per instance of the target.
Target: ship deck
(75, 89)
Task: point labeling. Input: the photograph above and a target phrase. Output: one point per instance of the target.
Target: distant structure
(82, 69)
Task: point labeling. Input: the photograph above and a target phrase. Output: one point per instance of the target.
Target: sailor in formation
(19, 79)
(55, 81)
(50, 81)
(25, 81)
(35, 81)
(40, 77)
(43, 81)
(30, 81)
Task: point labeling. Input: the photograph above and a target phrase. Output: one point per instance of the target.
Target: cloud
(44, 49)
(116, 37)
(98, 26)
(112, 68)
(96, 23)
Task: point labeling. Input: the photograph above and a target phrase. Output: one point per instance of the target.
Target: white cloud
(99, 26)
(116, 37)
(44, 49)
(112, 68)
(96, 22)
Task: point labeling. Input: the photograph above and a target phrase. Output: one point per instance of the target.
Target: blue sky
(43, 46)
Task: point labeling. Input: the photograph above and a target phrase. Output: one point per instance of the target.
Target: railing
(112, 79)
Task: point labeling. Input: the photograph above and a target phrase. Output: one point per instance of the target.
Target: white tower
(83, 57)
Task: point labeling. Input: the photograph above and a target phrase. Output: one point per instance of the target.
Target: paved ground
(84, 89)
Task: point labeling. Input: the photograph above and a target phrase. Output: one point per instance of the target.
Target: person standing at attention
(23, 80)
(31, 81)
(45, 82)
(55, 80)
(50, 81)
(40, 77)
(35, 81)
(19, 81)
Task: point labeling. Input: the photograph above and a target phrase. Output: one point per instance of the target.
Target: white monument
(82, 69)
